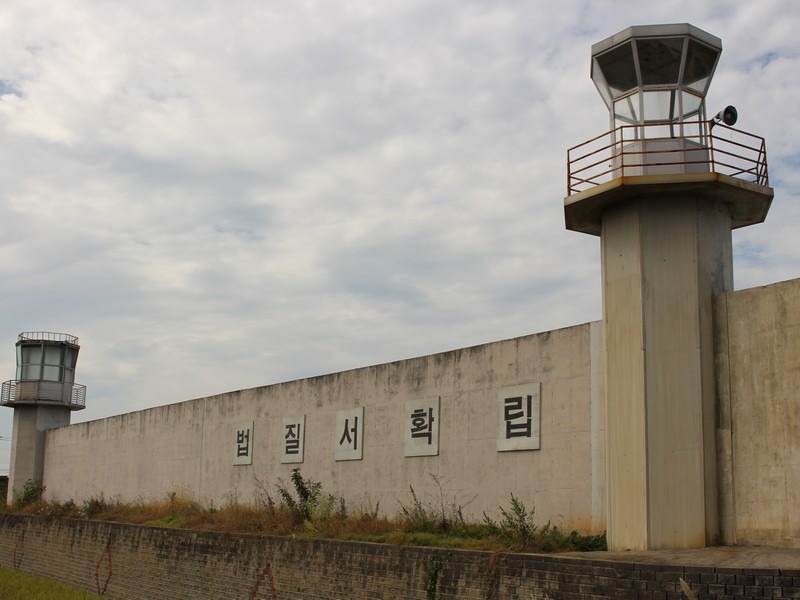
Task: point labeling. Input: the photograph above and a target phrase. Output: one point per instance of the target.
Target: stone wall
(134, 562)
(190, 446)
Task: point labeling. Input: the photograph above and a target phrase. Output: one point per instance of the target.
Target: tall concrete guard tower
(43, 396)
(663, 190)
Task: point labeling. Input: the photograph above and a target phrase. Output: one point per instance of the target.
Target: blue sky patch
(8, 87)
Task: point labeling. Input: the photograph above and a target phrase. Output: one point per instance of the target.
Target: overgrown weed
(303, 508)
(437, 516)
(517, 530)
(30, 495)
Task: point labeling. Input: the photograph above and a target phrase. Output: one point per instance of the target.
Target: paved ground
(738, 557)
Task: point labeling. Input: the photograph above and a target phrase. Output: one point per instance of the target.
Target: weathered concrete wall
(133, 562)
(758, 334)
(190, 446)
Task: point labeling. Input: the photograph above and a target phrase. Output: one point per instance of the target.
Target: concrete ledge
(748, 202)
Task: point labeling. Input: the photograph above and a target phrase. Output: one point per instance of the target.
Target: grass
(16, 585)
(301, 508)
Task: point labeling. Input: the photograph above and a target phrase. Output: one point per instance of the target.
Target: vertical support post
(664, 258)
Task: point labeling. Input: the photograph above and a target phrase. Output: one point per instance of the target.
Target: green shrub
(311, 504)
(516, 525)
(31, 493)
(518, 529)
(94, 506)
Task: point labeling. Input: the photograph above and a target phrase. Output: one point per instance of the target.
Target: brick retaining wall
(138, 562)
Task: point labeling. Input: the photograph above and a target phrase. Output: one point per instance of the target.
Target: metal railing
(47, 336)
(640, 150)
(78, 397)
(8, 393)
(15, 392)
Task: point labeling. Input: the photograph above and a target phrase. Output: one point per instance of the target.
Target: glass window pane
(31, 355)
(661, 131)
(51, 373)
(691, 104)
(660, 60)
(700, 61)
(618, 69)
(600, 83)
(695, 132)
(52, 355)
(700, 86)
(70, 358)
(627, 108)
(31, 372)
(660, 106)
(69, 375)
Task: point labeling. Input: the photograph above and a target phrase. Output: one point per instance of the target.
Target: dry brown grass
(180, 511)
(309, 512)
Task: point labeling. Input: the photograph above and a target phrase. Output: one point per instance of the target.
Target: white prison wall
(191, 447)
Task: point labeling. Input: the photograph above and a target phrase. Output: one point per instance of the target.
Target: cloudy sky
(220, 195)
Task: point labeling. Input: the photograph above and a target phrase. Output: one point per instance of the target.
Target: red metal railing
(647, 149)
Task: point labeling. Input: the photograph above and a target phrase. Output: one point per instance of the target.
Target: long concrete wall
(192, 446)
(758, 334)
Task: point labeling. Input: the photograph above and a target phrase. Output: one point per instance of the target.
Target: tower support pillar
(664, 257)
(27, 447)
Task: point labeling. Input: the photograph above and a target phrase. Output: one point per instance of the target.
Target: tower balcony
(47, 393)
(647, 158)
(656, 149)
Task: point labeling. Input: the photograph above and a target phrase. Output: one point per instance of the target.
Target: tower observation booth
(653, 80)
(43, 396)
(45, 372)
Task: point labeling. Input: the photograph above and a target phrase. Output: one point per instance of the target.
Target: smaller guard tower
(663, 189)
(43, 396)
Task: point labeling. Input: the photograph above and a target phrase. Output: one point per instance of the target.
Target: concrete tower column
(27, 444)
(663, 259)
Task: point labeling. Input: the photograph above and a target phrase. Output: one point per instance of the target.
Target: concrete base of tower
(27, 446)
